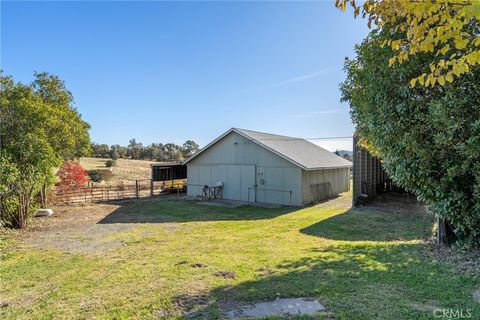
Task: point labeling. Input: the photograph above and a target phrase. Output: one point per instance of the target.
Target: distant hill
(125, 171)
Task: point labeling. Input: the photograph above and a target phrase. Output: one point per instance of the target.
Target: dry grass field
(127, 170)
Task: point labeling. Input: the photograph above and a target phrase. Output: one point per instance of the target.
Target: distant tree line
(154, 151)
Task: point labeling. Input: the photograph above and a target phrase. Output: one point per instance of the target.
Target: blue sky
(172, 71)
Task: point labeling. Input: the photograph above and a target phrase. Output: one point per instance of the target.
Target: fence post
(85, 193)
(136, 189)
(151, 187)
(290, 201)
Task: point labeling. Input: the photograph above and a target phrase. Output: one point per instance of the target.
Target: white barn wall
(234, 158)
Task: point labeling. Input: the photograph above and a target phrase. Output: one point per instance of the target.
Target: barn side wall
(241, 164)
(319, 185)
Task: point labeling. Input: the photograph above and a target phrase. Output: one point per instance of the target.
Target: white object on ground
(279, 307)
(43, 212)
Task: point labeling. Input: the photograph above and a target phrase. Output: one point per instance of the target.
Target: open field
(170, 259)
(126, 170)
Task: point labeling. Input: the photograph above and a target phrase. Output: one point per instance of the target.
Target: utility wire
(293, 139)
(330, 138)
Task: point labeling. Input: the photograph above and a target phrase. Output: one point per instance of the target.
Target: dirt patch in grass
(91, 240)
(75, 230)
(467, 263)
(396, 203)
(225, 274)
(193, 306)
(198, 265)
(343, 200)
(265, 271)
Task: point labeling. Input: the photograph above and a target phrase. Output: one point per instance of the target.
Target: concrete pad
(43, 212)
(279, 307)
(476, 296)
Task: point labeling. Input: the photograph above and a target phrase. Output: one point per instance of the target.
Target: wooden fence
(104, 193)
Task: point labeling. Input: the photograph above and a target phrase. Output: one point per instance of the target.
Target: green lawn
(175, 259)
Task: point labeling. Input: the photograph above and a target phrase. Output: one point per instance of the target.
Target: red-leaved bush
(72, 175)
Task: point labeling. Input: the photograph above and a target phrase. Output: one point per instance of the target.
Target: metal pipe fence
(103, 193)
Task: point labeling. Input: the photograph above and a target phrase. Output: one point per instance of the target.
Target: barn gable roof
(298, 151)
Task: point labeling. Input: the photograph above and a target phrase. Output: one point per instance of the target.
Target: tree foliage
(134, 149)
(429, 137)
(114, 155)
(189, 148)
(39, 129)
(448, 29)
(102, 150)
(68, 133)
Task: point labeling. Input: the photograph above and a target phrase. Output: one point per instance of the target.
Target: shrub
(110, 163)
(100, 175)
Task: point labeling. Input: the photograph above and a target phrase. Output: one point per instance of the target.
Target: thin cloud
(301, 78)
(318, 113)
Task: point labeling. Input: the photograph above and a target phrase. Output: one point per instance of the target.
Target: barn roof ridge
(298, 151)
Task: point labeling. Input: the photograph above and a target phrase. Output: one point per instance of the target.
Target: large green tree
(68, 133)
(39, 129)
(429, 137)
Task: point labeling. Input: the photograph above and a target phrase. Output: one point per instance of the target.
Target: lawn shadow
(364, 224)
(353, 281)
(171, 210)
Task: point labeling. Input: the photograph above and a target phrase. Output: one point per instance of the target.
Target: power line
(330, 138)
(300, 139)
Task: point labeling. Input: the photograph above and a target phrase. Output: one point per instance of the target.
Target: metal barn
(259, 167)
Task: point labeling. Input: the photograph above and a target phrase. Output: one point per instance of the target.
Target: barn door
(238, 181)
(247, 182)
